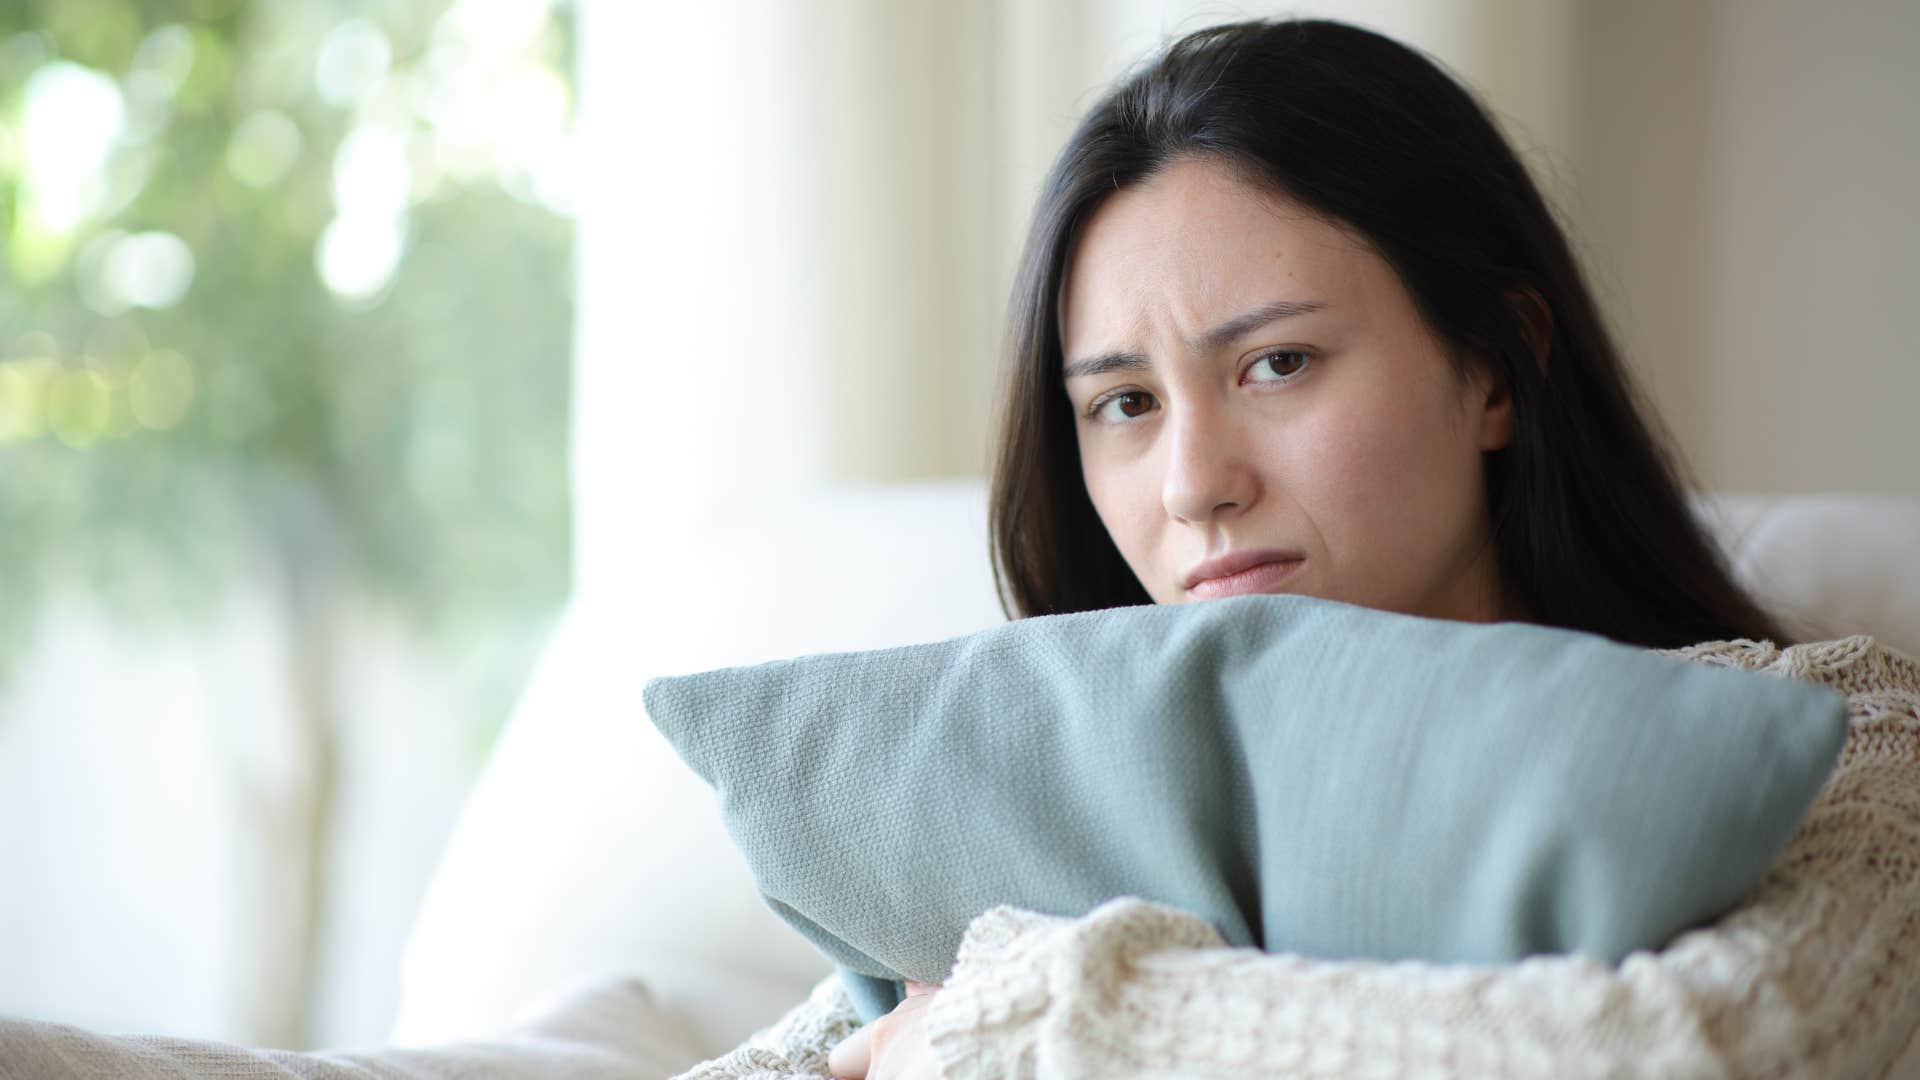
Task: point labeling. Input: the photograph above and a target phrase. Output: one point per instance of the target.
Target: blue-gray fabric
(1309, 776)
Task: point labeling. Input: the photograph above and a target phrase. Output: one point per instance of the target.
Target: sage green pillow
(1309, 776)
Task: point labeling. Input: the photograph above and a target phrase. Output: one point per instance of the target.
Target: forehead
(1195, 242)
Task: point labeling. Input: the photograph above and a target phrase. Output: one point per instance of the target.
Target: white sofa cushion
(588, 849)
(1827, 565)
(604, 1031)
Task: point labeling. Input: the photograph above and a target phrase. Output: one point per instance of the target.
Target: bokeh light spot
(211, 79)
(34, 344)
(353, 57)
(161, 389)
(89, 277)
(167, 56)
(23, 396)
(358, 254)
(149, 269)
(264, 148)
(69, 122)
(78, 402)
(372, 176)
(23, 52)
(499, 26)
(149, 106)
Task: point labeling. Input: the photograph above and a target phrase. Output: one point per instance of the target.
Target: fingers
(853, 1057)
(850, 1059)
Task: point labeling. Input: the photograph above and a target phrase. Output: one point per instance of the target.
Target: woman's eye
(1278, 366)
(1121, 407)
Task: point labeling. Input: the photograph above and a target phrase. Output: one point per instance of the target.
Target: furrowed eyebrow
(1213, 339)
(1253, 320)
(1105, 362)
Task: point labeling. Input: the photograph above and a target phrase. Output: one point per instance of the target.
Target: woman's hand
(893, 1047)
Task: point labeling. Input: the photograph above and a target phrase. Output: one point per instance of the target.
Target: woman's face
(1260, 408)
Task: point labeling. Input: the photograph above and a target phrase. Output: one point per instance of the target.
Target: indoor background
(343, 343)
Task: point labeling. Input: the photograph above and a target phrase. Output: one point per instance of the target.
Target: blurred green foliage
(404, 426)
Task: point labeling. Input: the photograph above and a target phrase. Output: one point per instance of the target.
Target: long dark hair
(1591, 525)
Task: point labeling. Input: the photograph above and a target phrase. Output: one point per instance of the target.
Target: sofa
(588, 852)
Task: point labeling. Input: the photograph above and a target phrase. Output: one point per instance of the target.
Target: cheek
(1126, 495)
(1375, 480)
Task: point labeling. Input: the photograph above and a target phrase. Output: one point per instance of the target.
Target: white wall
(1748, 171)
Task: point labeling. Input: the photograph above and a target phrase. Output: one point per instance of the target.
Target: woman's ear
(1496, 406)
(1494, 392)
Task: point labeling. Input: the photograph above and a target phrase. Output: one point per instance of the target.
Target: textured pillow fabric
(1309, 776)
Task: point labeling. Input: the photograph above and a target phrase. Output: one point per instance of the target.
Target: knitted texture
(796, 1045)
(1816, 973)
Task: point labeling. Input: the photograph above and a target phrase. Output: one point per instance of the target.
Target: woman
(1363, 166)
(1292, 317)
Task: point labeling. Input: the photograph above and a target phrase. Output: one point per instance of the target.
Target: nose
(1209, 475)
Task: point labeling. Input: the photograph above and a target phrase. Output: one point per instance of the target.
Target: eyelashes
(1300, 361)
(1100, 403)
(1274, 354)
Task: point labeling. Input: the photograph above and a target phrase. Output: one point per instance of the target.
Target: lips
(1242, 571)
